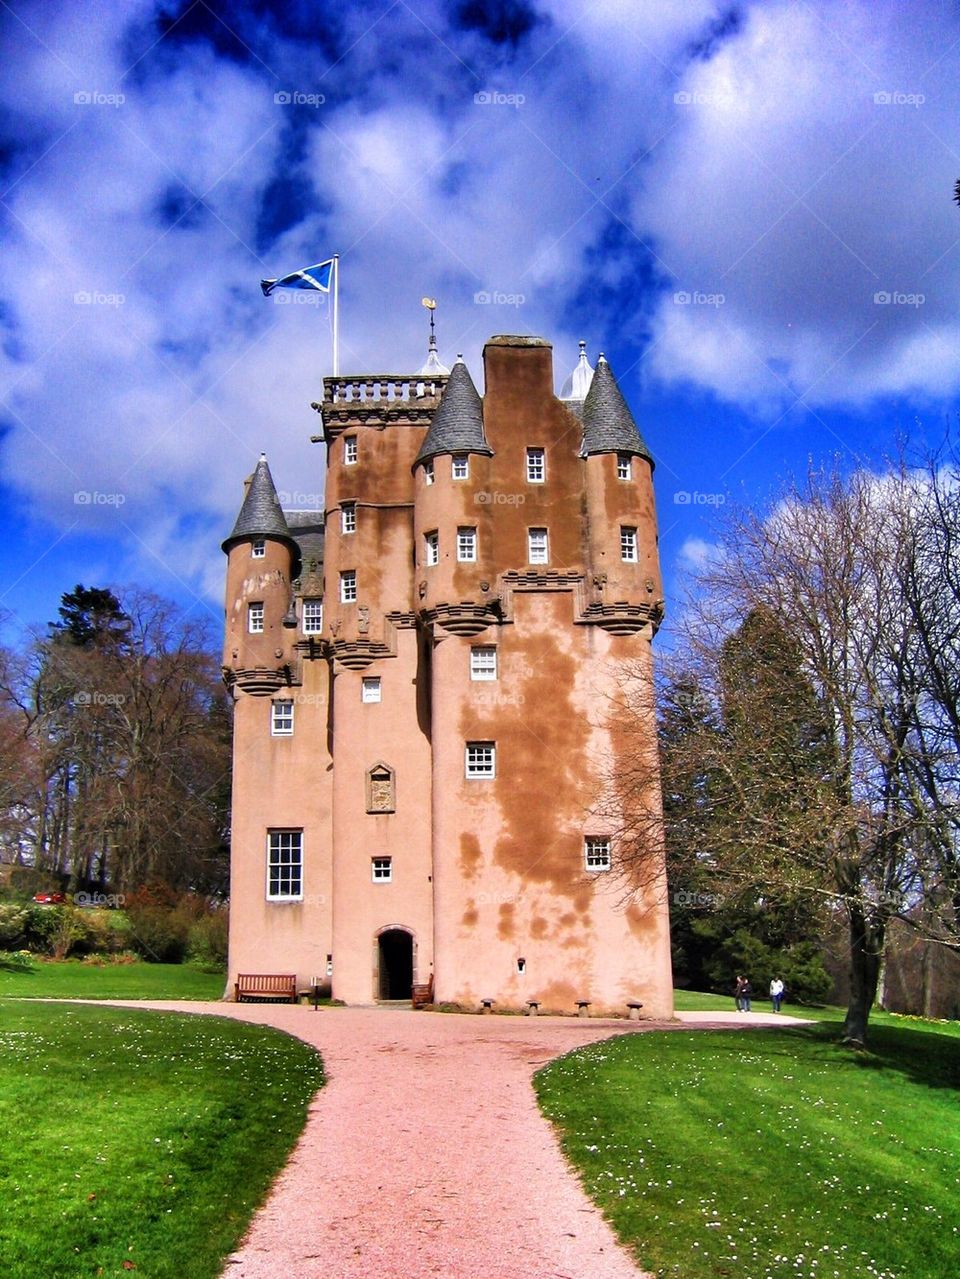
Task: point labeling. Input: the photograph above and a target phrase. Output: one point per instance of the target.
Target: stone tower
(422, 721)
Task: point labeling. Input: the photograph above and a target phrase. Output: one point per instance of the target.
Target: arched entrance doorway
(394, 964)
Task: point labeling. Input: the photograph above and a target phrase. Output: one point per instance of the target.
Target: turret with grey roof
(457, 425)
(608, 424)
(261, 514)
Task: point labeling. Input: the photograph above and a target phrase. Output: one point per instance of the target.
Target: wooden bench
(275, 986)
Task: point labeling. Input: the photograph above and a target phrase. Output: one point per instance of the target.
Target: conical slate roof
(457, 425)
(608, 425)
(261, 514)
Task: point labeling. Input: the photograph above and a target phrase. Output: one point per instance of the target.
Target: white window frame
(460, 466)
(285, 864)
(348, 517)
(624, 466)
(431, 548)
(256, 623)
(480, 761)
(629, 552)
(311, 617)
(351, 450)
(538, 546)
(483, 662)
(258, 550)
(281, 717)
(467, 545)
(370, 689)
(381, 870)
(596, 854)
(348, 586)
(428, 472)
(536, 466)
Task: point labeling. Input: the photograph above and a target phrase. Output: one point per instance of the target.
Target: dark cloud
(499, 21)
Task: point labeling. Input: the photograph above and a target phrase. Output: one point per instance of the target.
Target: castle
(421, 674)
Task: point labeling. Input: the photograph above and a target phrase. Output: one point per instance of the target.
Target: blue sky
(747, 207)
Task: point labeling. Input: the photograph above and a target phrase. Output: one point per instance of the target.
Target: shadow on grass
(933, 1059)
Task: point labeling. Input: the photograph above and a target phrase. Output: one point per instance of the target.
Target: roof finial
(433, 365)
(578, 383)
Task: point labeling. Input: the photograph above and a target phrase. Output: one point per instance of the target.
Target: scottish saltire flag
(311, 277)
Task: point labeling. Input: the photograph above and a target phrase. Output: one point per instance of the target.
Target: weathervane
(431, 305)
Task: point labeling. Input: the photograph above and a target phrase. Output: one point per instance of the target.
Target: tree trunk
(866, 950)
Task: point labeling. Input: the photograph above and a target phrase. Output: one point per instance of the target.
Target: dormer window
(259, 548)
(349, 450)
(461, 466)
(536, 466)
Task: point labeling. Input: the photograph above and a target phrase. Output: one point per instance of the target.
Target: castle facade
(423, 674)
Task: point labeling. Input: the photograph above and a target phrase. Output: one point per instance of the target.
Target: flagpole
(336, 315)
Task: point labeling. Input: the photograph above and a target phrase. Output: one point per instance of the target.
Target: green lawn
(72, 979)
(775, 1153)
(142, 1138)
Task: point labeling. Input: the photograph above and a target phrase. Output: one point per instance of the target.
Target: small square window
(466, 545)
(284, 865)
(628, 544)
(623, 466)
(349, 450)
(596, 853)
(381, 869)
(483, 662)
(461, 466)
(348, 586)
(281, 719)
(481, 760)
(370, 688)
(255, 618)
(312, 620)
(259, 548)
(431, 548)
(428, 472)
(536, 466)
(348, 517)
(537, 549)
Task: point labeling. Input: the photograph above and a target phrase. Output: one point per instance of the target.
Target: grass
(771, 1154)
(73, 979)
(139, 1141)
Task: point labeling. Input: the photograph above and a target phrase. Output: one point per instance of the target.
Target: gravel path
(426, 1155)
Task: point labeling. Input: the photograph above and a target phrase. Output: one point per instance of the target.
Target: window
(536, 466)
(483, 662)
(537, 549)
(348, 586)
(461, 466)
(255, 619)
(428, 475)
(596, 853)
(381, 869)
(623, 466)
(348, 517)
(312, 617)
(349, 450)
(481, 760)
(628, 544)
(431, 548)
(370, 688)
(259, 548)
(281, 719)
(284, 865)
(466, 545)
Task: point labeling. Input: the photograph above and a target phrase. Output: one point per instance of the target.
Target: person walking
(738, 993)
(776, 993)
(746, 990)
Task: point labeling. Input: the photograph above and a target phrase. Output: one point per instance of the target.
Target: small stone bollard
(487, 1005)
(533, 1007)
(583, 1006)
(635, 1007)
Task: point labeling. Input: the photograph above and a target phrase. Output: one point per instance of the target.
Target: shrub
(13, 926)
(208, 940)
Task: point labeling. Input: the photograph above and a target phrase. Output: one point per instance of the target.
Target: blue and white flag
(311, 277)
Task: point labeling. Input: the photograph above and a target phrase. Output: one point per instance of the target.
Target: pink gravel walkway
(426, 1155)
